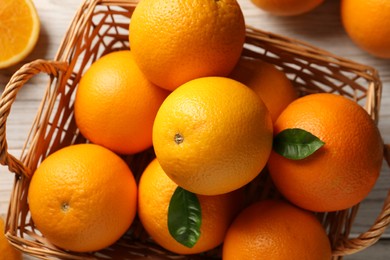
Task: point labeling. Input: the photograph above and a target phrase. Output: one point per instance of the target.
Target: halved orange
(19, 30)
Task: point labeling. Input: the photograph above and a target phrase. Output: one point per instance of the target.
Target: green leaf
(296, 143)
(184, 217)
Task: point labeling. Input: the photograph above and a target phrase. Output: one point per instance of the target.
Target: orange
(115, 104)
(83, 197)
(155, 192)
(212, 135)
(372, 33)
(7, 251)
(287, 7)
(271, 84)
(19, 30)
(176, 41)
(276, 230)
(343, 171)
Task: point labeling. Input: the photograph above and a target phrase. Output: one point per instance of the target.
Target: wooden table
(321, 27)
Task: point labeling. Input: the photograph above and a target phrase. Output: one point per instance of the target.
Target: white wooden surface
(321, 27)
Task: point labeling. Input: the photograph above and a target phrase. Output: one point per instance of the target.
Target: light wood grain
(321, 27)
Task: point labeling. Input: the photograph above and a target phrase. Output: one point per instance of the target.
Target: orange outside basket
(101, 26)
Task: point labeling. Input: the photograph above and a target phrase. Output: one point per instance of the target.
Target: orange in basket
(115, 104)
(176, 41)
(83, 197)
(212, 135)
(155, 192)
(342, 172)
(271, 84)
(276, 230)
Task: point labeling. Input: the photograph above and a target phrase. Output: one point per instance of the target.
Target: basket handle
(8, 96)
(370, 237)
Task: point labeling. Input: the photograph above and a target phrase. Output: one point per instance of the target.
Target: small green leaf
(184, 217)
(296, 143)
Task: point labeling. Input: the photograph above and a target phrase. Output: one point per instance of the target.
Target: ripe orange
(116, 105)
(83, 197)
(271, 84)
(276, 230)
(287, 7)
(19, 30)
(372, 33)
(212, 135)
(155, 192)
(342, 172)
(7, 251)
(176, 41)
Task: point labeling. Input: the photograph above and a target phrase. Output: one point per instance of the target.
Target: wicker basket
(101, 26)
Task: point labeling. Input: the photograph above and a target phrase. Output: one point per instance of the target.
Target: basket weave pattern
(100, 27)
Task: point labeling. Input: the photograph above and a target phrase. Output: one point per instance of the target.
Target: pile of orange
(371, 33)
(215, 121)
